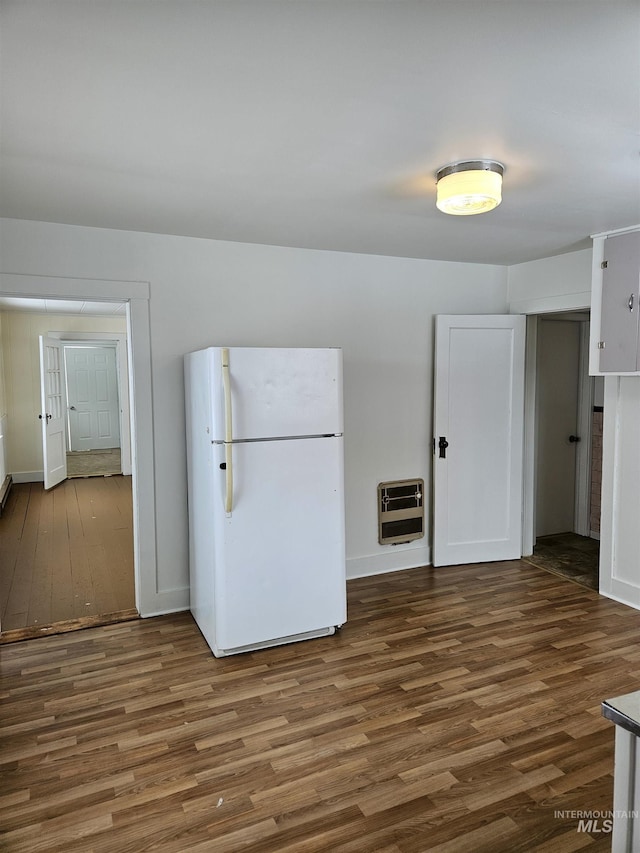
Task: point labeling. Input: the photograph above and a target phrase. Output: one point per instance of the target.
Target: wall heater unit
(400, 511)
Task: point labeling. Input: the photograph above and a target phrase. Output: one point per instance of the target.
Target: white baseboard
(160, 603)
(594, 535)
(5, 488)
(180, 608)
(28, 477)
(392, 560)
(607, 594)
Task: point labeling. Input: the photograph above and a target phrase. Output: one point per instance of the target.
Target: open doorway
(97, 385)
(70, 550)
(151, 598)
(568, 449)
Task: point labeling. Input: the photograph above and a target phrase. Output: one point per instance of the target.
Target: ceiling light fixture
(468, 187)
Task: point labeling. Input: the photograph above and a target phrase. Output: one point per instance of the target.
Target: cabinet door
(620, 292)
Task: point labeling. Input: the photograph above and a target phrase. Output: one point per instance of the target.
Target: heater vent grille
(400, 511)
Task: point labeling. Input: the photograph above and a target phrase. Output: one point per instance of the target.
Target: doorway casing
(136, 295)
(552, 306)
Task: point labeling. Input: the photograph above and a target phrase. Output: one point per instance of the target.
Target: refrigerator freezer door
(280, 558)
(277, 393)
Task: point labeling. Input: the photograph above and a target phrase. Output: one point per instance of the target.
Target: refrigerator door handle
(228, 432)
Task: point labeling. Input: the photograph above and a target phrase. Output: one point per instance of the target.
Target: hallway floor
(569, 555)
(66, 555)
(93, 463)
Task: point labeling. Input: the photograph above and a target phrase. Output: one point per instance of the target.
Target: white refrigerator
(266, 497)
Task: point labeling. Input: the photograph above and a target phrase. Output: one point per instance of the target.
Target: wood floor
(569, 555)
(91, 463)
(66, 554)
(457, 710)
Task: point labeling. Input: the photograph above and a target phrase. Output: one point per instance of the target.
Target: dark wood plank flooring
(66, 554)
(457, 710)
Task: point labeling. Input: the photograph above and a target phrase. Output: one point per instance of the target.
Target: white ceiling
(321, 123)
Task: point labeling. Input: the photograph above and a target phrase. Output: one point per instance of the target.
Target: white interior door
(478, 436)
(92, 396)
(53, 410)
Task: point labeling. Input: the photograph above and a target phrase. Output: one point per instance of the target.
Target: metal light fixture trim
(469, 187)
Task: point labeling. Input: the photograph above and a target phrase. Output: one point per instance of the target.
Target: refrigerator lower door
(280, 557)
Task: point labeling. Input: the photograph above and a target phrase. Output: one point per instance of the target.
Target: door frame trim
(136, 295)
(550, 305)
(585, 425)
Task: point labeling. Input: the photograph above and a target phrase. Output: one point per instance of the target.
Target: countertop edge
(620, 719)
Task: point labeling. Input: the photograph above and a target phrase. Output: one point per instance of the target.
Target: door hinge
(601, 344)
(603, 265)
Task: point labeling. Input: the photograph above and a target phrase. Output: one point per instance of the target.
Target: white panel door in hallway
(52, 414)
(92, 392)
(478, 435)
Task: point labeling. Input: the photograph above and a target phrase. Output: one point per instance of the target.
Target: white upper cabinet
(615, 309)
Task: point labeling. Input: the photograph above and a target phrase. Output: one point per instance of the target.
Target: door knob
(442, 446)
(72, 408)
(574, 438)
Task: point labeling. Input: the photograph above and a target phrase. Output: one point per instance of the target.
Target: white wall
(378, 309)
(20, 332)
(561, 283)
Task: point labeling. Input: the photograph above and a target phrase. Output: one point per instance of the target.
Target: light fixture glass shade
(473, 186)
